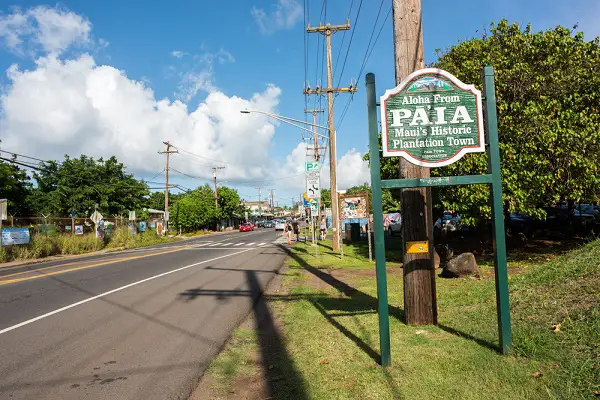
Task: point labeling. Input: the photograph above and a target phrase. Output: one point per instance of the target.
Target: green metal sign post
(432, 119)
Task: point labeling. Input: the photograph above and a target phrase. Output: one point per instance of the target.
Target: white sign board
(132, 215)
(12, 236)
(313, 185)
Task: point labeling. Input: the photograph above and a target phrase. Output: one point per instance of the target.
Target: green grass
(41, 246)
(235, 361)
(331, 334)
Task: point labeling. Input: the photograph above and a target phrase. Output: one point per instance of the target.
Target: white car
(395, 226)
(279, 225)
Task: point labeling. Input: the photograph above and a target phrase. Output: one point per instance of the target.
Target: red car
(246, 227)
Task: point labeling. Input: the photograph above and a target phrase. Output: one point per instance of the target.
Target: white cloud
(177, 53)
(351, 170)
(78, 107)
(285, 14)
(71, 105)
(196, 73)
(43, 28)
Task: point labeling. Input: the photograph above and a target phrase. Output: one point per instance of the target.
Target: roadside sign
(73, 214)
(432, 119)
(353, 207)
(312, 166)
(79, 229)
(12, 236)
(314, 209)
(166, 216)
(132, 215)
(306, 200)
(313, 183)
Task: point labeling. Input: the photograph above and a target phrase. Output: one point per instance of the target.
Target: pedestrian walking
(288, 232)
(296, 228)
(323, 229)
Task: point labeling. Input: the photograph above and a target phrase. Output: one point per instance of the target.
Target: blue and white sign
(12, 236)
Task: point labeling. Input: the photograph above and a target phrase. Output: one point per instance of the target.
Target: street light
(287, 121)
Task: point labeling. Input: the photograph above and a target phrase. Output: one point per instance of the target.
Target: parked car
(395, 225)
(450, 222)
(246, 227)
(588, 209)
(269, 224)
(260, 224)
(279, 225)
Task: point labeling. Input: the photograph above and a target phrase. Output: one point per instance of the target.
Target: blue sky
(207, 54)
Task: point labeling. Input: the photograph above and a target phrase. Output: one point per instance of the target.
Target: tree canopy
(15, 186)
(548, 95)
(80, 183)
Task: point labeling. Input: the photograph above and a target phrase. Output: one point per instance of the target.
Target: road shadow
(283, 379)
(354, 302)
(357, 302)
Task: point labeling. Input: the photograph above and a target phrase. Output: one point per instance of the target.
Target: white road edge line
(29, 321)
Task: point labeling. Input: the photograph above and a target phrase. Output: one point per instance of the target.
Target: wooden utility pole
(216, 187)
(259, 188)
(168, 152)
(329, 30)
(420, 304)
(315, 147)
(272, 202)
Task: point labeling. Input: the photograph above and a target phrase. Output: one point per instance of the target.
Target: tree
(326, 198)
(80, 183)
(15, 186)
(195, 210)
(156, 200)
(548, 96)
(229, 203)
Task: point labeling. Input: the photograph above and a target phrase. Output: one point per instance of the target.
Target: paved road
(138, 324)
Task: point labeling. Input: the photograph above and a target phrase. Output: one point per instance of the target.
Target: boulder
(436, 259)
(462, 265)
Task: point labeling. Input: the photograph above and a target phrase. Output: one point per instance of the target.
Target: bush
(42, 246)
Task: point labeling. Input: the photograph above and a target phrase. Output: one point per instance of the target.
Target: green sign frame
(492, 178)
(432, 119)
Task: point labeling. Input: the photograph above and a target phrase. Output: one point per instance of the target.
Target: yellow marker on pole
(417, 247)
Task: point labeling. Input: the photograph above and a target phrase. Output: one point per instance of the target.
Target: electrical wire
(368, 53)
(343, 39)
(350, 42)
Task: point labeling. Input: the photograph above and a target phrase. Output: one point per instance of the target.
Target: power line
(199, 156)
(350, 42)
(343, 39)
(366, 59)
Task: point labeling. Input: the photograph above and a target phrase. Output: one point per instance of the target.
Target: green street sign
(312, 166)
(432, 119)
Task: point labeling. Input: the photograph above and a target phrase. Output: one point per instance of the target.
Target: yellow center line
(4, 281)
(42, 275)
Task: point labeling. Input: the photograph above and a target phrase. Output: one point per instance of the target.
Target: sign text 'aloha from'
(432, 119)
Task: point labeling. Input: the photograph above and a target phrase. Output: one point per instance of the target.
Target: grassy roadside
(40, 246)
(330, 331)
